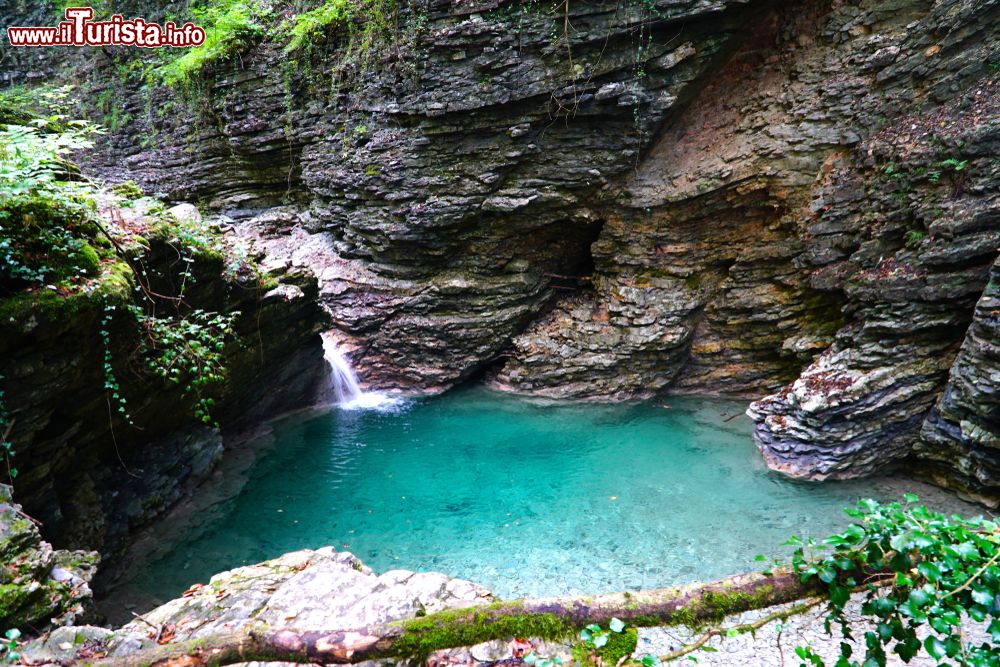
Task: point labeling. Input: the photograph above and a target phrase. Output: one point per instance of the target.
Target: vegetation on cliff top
(71, 245)
(230, 27)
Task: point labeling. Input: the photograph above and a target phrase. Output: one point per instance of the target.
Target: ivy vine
(188, 352)
(919, 569)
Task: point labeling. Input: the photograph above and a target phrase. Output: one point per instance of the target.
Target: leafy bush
(375, 17)
(924, 570)
(230, 27)
(188, 351)
(47, 233)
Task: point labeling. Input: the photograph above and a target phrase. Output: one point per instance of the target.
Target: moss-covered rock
(39, 586)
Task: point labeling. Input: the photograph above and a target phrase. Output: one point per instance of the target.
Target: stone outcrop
(39, 586)
(960, 438)
(922, 216)
(453, 182)
(93, 478)
(726, 265)
(307, 589)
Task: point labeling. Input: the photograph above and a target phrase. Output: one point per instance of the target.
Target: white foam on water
(344, 389)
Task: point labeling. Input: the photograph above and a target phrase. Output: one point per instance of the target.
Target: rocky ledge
(39, 586)
(94, 474)
(610, 201)
(307, 589)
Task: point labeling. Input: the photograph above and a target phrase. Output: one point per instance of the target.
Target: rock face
(92, 478)
(454, 185)
(617, 200)
(925, 234)
(960, 439)
(39, 586)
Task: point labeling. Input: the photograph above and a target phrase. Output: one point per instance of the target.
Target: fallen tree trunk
(549, 618)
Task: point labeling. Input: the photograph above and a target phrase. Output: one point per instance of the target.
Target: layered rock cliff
(102, 447)
(610, 200)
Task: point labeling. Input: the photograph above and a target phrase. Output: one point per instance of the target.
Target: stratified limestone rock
(681, 299)
(90, 477)
(39, 586)
(451, 185)
(705, 272)
(617, 200)
(960, 439)
(912, 252)
(837, 421)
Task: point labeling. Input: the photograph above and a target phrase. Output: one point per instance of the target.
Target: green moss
(45, 241)
(619, 644)
(127, 189)
(424, 635)
(720, 605)
(88, 259)
(113, 286)
(202, 242)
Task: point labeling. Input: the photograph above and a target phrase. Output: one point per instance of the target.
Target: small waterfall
(344, 389)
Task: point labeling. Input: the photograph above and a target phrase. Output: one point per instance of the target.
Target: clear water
(527, 498)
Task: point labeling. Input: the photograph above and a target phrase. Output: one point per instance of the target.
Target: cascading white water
(343, 383)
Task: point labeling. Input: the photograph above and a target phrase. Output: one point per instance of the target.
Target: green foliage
(188, 351)
(51, 234)
(597, 637)
(111, 385)
(914, 237)
(605, 646)
(33, 162)
(9, 652)
(365, 21)
(46, 230)
(309, 25)
(20, 105)
(230, 27)
(930, 572)
(954, 164)
(128, 189)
